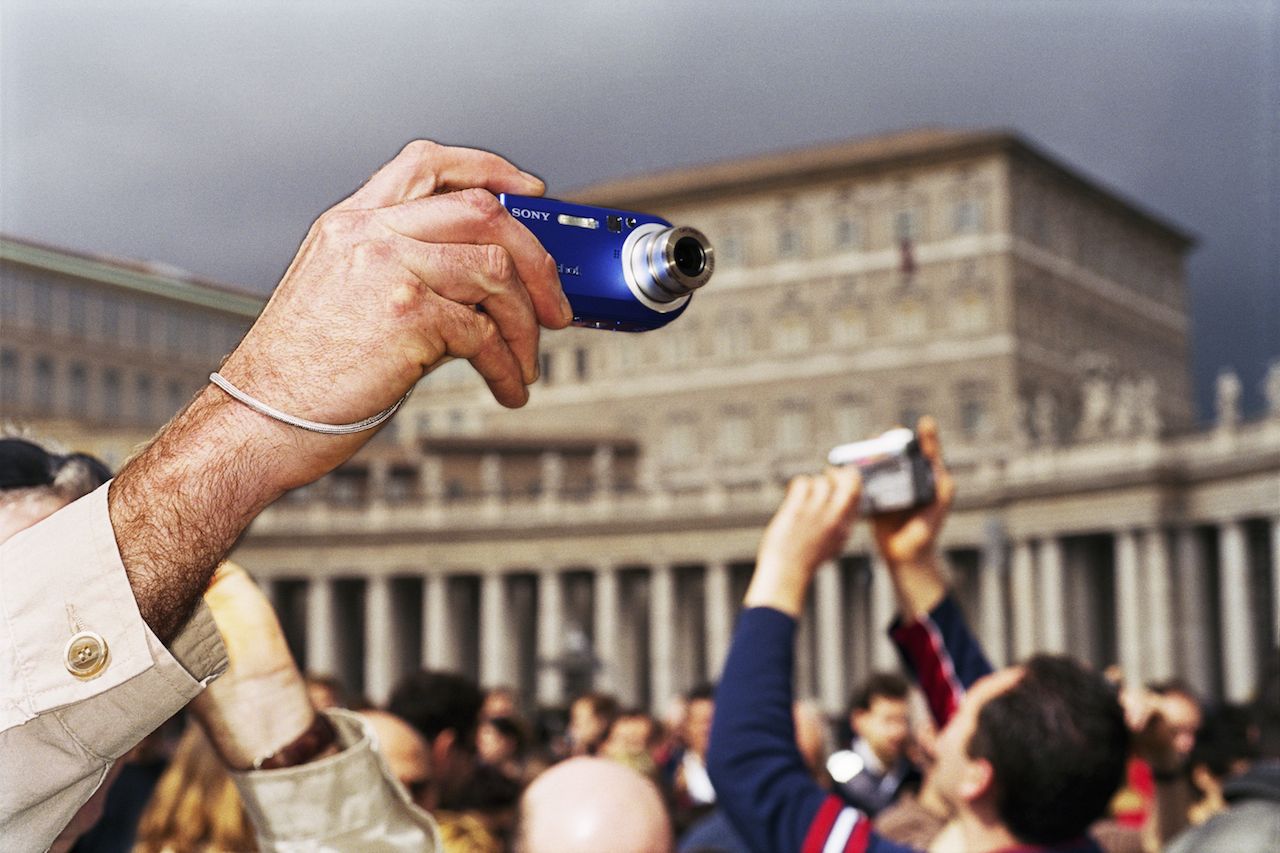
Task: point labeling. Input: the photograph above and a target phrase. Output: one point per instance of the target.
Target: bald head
(585, 805)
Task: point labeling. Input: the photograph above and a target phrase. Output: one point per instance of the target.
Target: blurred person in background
(592, 805)
(692, 794)
(500, 701)
(632, 740)
(590, 717)
(406, 752)
(1251, 821)
(326, 691)
(444, 707)
(1225, 747)
(501, 743)
(1028, 756)
(920, 812)
(196, 807)
(874, 771)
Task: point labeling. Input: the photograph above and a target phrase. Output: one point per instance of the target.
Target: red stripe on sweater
(934, 668)
(816, 838)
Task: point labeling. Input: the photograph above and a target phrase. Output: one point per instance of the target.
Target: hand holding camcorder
(896, 475)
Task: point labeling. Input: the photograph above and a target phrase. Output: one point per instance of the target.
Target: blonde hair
(195, 807)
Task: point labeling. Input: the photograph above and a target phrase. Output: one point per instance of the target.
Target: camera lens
(689, 257)
(667, 264)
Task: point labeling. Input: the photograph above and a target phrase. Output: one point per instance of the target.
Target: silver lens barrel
(667, 264)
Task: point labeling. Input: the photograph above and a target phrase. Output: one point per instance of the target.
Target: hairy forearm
(179, 506)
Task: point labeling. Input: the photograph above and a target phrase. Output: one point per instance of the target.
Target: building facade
(603, 536)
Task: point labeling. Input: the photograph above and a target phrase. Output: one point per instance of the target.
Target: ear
(976, 780)
(442, 747)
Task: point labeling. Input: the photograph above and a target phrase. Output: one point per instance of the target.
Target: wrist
(776, 587)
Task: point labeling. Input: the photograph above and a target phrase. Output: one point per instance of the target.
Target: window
(175, 399)
(733, 337)
(793, 428)
(546, 362)
(972, 313)
(731, 251)
(973, 418)
(792, 333)
(848, 233)
(682, 441)
(44, 306)
(581, 363)
(78, 382)
(110, 320)
(966, 216)
(909, 318)
(144, 401)
(735, 435)
(851, 422)
(849, 327)
(10, 376)
(76, 313)
(173, 331)
(788, 242)
(112, 406)
(906, 226)
(911, 407)
(44, 384)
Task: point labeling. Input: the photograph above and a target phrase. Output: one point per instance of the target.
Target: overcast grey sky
(209, 134)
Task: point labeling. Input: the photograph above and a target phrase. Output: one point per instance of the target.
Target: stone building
(603, 535)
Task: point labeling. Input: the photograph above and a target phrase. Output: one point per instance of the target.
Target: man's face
(885, 726)
(630, 735)
(1182, 715)
(697, 727)
(954, 769)
(585, 728)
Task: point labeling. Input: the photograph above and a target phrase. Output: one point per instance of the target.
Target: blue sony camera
(621, 270)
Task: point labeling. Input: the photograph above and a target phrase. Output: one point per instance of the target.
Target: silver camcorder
(895, 474)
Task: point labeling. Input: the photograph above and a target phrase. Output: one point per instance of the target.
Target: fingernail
(535, 179)
(566, 310)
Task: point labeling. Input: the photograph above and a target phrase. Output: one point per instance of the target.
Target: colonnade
(1197, 602)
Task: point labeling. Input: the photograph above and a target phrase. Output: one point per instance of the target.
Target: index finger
(424, 168)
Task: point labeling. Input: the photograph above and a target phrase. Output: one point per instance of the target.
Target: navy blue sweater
(762, 782)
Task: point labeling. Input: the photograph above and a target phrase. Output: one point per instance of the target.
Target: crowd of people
(149, 701)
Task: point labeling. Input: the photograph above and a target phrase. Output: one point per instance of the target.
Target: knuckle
(420, 148)
(496, 263)
(483, 204)
(342, 224)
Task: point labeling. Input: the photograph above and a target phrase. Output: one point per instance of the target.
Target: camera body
(895, 474)
(620, 270)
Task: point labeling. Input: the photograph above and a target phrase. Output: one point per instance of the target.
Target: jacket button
(86, 655)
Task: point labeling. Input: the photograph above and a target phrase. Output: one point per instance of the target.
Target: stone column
(1275, 550)
(1130, 607)
(379, 474)
(431, 478)
(1239, 649)
(991, 576)
(381, 656)
(1196, 646)
(884, 606)
(440, 650)
(662, 626)
(718, 618)
(1159, 653)
(828, 605)
(1023, 600)
(322, 653)
(497, 657)
(608, 638)
(550, 638)
(1053, 604)
(552, 478)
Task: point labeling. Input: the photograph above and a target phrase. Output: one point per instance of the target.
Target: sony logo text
(526, 213)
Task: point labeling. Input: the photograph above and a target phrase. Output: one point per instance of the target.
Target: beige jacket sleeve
(82, 677)
(346, 802)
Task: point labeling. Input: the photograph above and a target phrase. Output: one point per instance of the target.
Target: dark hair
(434, 702)
(1223, 740)
(26, 465)
(1266, 707)
(1058, 744)
(1174, 687)
(706, 690)
(603, 705)
(880, 685)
